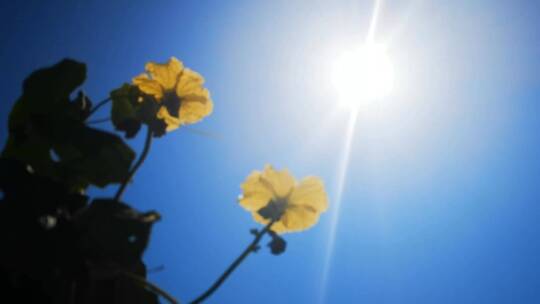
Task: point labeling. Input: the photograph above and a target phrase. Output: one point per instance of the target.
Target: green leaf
(47, 90)
(114, 229)
(45, 98)
(81, 107)
(124, 109)
(131, 108)
(44, 120)
(33, 150)
(95, 156)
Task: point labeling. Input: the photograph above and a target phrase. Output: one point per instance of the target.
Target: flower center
(171, 101)
(274, 210)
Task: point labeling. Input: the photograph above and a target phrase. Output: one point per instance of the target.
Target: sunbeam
(370, 67)
(340, 185)
(373, 23)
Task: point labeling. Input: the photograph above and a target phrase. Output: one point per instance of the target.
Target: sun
(363, 75)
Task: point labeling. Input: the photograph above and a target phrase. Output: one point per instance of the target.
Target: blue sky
(440, 201)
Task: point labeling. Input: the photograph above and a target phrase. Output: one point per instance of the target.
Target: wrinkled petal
(148, 86)
(310, 192)
(277, 227)
(255, 195)
(166, 74)
(281, 182)
(297, 218)
(302, 203)
(190, 112)
(189, 83)
(171, 121)
(193, 108)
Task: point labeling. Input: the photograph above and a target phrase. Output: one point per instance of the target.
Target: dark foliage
(56, 246)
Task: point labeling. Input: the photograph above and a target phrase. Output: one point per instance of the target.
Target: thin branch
(139, 162)
(150, 286)
(99, 105)
(250, 248)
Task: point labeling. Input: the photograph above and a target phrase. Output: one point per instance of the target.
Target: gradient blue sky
(441, 200)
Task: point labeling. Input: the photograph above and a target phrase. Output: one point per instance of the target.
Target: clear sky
(440, 202)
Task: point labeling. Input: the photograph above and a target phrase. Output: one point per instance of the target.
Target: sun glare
(363, 75)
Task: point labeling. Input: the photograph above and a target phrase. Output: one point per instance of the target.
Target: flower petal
(256, 194)
(297, 218)
(166, 74)
(310, 192)
(148, 86)
(171, 121)
(193, 108)
(277, 227)
(281, 182)
(190, 112)
(190, 83)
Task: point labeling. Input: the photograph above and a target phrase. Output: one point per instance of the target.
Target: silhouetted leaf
(115, 231)
(125, 101)
(131, 107)
(36, 195)
(44, 120)
(34, 150)
(94, 156)
(81, 106)
(28, 246)
(47, 250)
(54, 247)
(47, 90)
(158, 127)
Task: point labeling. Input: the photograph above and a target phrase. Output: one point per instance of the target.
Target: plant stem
(139, 162)
(99, 105)
(250, 248)
(150, 286)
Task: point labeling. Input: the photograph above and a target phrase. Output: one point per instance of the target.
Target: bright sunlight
(363, 75)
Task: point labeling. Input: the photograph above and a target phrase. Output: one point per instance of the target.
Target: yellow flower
(275, 195)
(180, 91)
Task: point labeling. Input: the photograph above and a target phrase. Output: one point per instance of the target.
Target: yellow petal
(193, 108)
(255, 194)
(166, 74)
(310, 192)
(297, 218)
(189, 83)
(281, 182)
(294, 219)
(148, 86)
(277, 227)
(191, 111)
(171, 121)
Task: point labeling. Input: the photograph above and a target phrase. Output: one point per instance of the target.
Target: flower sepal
(277, 245)
(131, 107)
